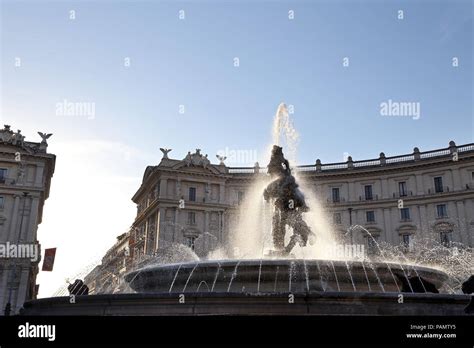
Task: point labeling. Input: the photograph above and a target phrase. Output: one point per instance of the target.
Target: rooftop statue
(7, 136)
(165, 152)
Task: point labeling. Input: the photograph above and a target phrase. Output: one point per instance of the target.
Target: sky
(156, 79)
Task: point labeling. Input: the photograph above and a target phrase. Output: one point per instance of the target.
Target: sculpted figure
(165, 152)
(289, 204)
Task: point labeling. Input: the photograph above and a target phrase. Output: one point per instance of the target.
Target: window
(441, 210)
(406, 239)
(368, 192)
(191, 218)
(472, 175)
(438, 182)
(3, 175)
(335, 195)
(405, 214)
(402, 188)
(370, 216)
(192, 194)
(2, 202)
(372, 244)
(336, 218)
(190, 242)
(240, 197)
(446, 238)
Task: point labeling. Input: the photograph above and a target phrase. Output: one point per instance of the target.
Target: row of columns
(165, 236)
(16, 271)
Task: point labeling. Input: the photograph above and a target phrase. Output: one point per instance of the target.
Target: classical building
(426, 194)
(179, 201)
(423, 194)
(108, 276)
(25, 178)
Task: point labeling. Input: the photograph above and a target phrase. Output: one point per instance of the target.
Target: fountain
(279, 271)
(255, 276)
(294, 275)
(289, 204)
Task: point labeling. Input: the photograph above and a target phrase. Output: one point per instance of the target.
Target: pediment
(182, 166)
(191, 232)
(443, 226)
(196, 162)
(406, 228)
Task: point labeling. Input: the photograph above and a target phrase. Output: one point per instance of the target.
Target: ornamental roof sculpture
(165, 152)
(221, 159)
(196, 159)
(7, 136)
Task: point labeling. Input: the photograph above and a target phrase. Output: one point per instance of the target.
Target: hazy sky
(47, 58)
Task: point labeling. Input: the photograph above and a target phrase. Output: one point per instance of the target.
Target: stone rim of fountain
(279, 275)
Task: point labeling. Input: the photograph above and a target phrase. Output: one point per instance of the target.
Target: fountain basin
(199, 304)
(279, 275)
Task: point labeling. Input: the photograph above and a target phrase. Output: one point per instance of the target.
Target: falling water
(217, 274)
(234, 274)
(335, 276)
(203, 282)
(306, 275)
(350, 275)
(366, 276)
(290, 273)
(377, 276)
(190, 275)
(284, 134)
(276, 278)
(251, 233)
(174, 279)
(381, 252)
(247, 234)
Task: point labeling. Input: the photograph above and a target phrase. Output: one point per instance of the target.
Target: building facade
(108, 276)
(26, 170)
(180, 201)
(396, 199)
(427, 194)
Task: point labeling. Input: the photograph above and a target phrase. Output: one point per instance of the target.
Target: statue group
(289, 204)
(10, 137)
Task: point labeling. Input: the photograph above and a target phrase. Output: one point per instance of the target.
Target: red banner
(48, 263)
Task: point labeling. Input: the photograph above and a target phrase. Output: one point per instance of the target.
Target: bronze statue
(289, 204)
